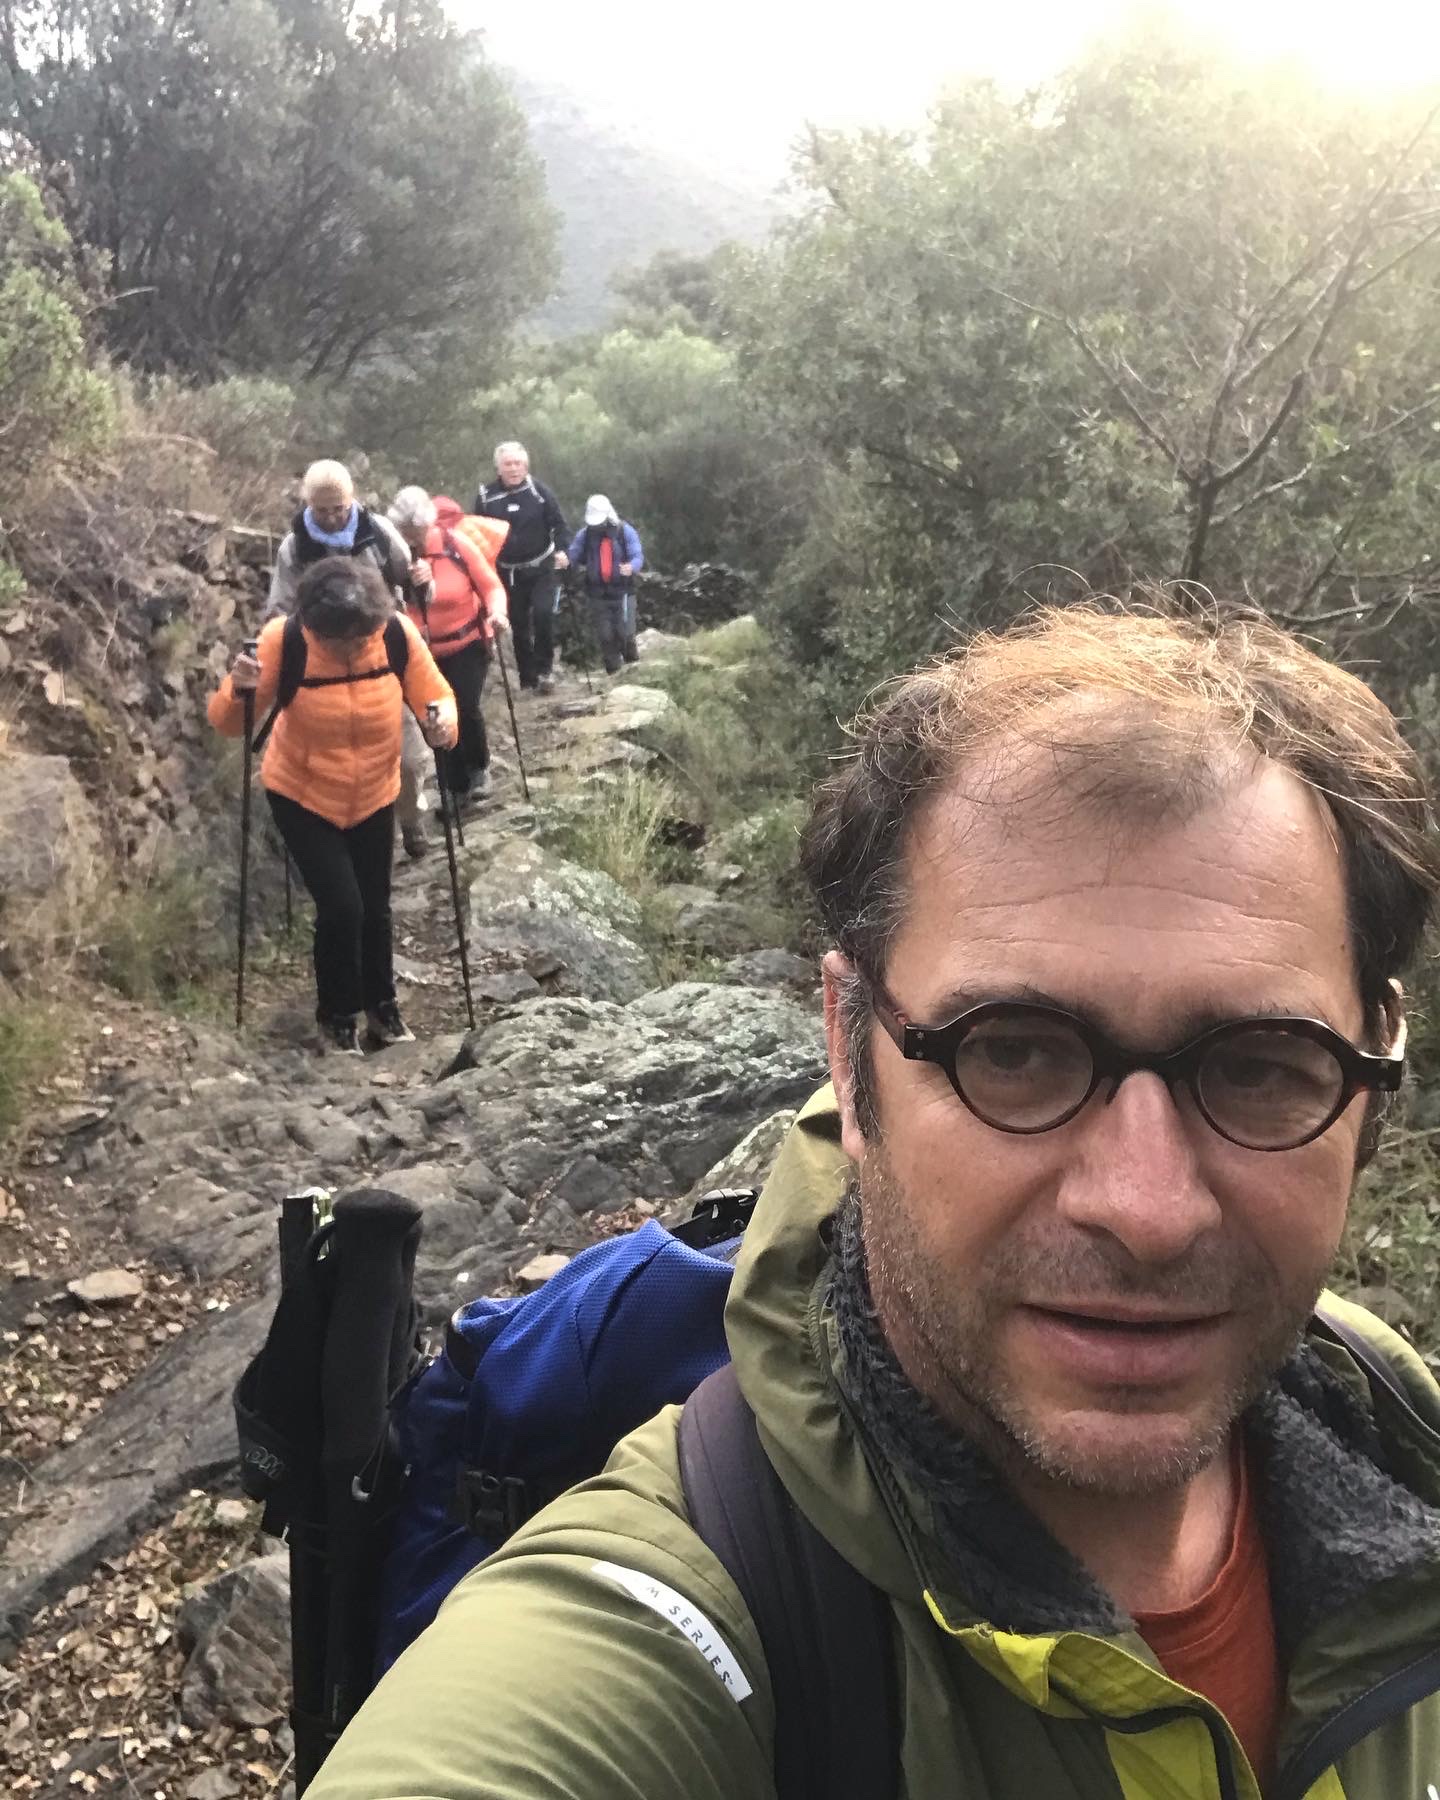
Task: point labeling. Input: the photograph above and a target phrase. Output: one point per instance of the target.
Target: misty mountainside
(621, 200)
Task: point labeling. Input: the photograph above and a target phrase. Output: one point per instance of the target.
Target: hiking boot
(482, 786)
(386, 1025)
(342, 1037)
(414, 839)
(545, 685)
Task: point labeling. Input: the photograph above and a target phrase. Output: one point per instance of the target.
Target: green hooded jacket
(604, 1654)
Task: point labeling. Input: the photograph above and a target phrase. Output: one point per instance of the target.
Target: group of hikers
(378, 636)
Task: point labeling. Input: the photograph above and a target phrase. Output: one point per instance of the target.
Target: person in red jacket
(459, 614)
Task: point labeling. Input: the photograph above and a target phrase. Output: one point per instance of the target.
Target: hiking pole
(289, 915)
(432, 715)
(251, 648)
(510, 702)
(368, 1352)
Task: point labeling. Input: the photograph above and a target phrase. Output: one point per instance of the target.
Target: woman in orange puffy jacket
(459, 613)
(331, 773)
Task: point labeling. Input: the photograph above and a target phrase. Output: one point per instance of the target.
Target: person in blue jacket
(609, 551)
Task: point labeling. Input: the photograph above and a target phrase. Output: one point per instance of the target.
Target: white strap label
(688, 1619)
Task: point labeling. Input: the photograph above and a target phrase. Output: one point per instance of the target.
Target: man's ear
(835, 969)
(1395, 1022)
(1392, 1034)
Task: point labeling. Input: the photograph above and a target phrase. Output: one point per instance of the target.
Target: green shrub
(53, 404)
(618, 828)
(1390, 1258)
(33, 1038)
(159, 940)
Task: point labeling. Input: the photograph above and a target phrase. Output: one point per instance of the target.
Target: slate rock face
(656, 1091)
(170, 1430)
(526, 898)
(48, 835)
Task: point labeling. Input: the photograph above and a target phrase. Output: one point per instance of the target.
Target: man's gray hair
(511, 447)
(412, 509)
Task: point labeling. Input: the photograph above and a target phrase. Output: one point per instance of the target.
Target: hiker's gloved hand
(420, 571)
(562, 561)
(499, 622)
(442, 734)
(627, 570)
(244, 674)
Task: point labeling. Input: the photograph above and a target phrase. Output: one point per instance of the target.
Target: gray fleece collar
(1336, 1522)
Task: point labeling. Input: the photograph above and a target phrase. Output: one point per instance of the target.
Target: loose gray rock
(106, 1287)
(212, 1784)
(630, 708)
(238, 1671)
(718, 926)
(505, 987)
(538, 1271)
(770, 968)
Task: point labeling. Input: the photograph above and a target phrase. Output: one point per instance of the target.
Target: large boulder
(596, 1102)
(527, 899)
(48, 842)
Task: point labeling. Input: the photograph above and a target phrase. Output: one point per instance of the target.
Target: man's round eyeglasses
(1262, 1083)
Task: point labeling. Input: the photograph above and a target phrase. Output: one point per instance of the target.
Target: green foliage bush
(286, 186)
(1165, 318)
(655, 417)
(53, 405)
(163, 937)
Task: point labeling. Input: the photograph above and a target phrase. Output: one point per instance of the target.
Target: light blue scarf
(344, 538)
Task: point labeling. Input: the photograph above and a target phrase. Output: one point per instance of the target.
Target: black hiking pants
(533, 594)
(347, 875)
(465, 671)
(610, 621)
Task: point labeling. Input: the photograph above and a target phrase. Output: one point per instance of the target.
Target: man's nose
(1136, 1175)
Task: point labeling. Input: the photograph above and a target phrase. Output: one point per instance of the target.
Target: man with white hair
(530, 558)
(331, 522)
(608, 549)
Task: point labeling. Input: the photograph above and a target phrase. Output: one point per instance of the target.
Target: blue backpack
(530, 1395)
(392, 1479)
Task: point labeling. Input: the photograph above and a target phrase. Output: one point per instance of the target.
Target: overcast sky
(732, 82)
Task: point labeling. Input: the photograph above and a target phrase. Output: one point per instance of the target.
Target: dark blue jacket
(585, 548)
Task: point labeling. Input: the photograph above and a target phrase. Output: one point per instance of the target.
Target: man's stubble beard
(945, 1336)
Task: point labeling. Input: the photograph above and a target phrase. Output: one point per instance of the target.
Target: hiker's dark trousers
(533, 593)
(611, 615)
(465, 671)
(347, 875)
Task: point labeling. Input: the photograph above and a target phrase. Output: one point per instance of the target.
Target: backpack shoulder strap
(825, 1630)
(1373, 1361)
(397, 647)
(453, 553)
(293, 658)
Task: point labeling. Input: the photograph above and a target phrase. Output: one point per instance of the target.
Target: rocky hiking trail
(142, 1616)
